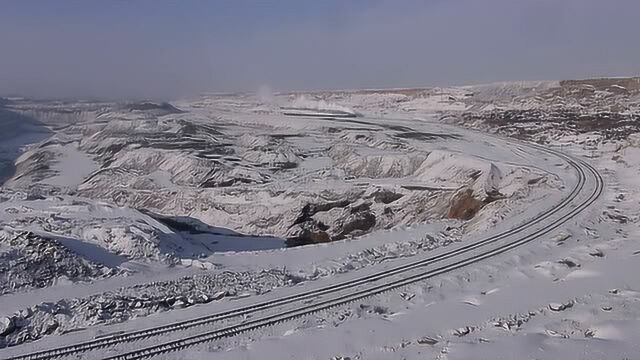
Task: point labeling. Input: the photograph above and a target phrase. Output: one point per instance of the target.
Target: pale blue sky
(166, 49)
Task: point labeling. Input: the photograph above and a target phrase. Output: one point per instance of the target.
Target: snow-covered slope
(224, 197)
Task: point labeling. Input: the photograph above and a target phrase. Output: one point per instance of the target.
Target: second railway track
(453, 259)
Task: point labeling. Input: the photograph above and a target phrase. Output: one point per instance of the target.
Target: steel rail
(288, 315)
(182, 325)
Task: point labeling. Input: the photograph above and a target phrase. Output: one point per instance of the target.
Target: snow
(72, 168)
(303, 102)
(572, 294)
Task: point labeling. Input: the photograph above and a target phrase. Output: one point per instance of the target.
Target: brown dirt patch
(463, 205)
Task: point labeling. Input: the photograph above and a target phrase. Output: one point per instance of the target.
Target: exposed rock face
(157, 109)
(537, 124)
(358, 222)
(330, 221)
(307, 232)
(463, 205)
(386, 196)
(311, 209)
(34, 261)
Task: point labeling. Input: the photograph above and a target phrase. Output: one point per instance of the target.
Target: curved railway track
(447, 261)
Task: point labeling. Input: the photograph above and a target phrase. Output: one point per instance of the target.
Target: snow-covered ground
(199, 206)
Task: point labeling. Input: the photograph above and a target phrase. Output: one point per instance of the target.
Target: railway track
(447, 261)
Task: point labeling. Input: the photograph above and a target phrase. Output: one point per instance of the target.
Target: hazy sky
(176, 48)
